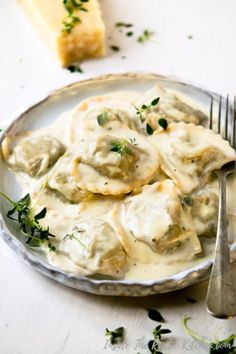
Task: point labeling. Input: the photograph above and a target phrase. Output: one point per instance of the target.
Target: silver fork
(221, 295)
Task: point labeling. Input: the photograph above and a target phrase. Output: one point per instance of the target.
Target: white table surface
(37, 315)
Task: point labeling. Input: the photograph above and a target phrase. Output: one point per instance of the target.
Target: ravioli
(61, 180)
(155, 216)
(34, 155)
(102, 114)
(189, 154)
(94, 246)
(107, 164)
(170, 107)
(203, 207)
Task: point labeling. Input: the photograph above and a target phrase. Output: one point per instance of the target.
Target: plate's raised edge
(51, 271)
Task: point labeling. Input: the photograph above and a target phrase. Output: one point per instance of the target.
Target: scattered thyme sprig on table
(140, 111)
(71, 20)
(158, 332)
(28, 224)
(225, 346)
(116, 336)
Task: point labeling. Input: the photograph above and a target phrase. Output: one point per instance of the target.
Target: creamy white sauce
(142, 262)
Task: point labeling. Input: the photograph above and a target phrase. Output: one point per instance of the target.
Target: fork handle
(221, 295)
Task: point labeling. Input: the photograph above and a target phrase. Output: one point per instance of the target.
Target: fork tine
(226, 117)
(211, 113)
(219, 114)
(233, 137)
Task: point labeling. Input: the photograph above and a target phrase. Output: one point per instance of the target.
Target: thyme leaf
(102, 118)
(163, 123)
(155, 315)
(155, 101)
(116, 336)
(74, 69)
(121, 146)
(115, 48)
(149, 129)
(154, 347)
(146, 36)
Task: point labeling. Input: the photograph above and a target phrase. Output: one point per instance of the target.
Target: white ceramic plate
(44, 113)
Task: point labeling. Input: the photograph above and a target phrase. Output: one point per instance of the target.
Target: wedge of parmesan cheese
(85, 40)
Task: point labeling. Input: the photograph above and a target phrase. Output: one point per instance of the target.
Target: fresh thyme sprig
(225, 346)
(140, 111)
(121, 146)
(116, 336)
(73, 236)
(71, 20)
(29, 224)
(146, 36)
